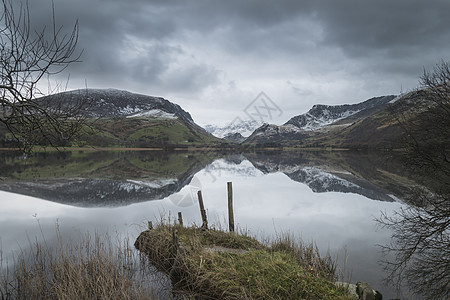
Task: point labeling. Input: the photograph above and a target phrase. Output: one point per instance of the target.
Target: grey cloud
(301, 91)
(176, 47)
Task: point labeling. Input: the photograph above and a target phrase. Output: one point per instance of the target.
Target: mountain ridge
(319, 122)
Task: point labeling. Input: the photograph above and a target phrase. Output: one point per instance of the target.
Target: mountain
(382, 129)
(109, 103)
(122, 119)
(243, 127)
(322, 115)
(234, 137)
(320, 121)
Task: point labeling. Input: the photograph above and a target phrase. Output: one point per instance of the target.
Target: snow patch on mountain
(153, 113)
(244, 127)
(326, 118)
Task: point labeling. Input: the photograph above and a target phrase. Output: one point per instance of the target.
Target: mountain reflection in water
(95, 179)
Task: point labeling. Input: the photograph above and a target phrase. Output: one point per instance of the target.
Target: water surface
(331, 199)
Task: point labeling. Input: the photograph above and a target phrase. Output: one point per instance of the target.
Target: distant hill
(123, 119)
(235, 137)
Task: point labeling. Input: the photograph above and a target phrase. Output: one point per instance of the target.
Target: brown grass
(94, 268)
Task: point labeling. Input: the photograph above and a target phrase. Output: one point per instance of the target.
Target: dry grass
(93, 268)
(202, 264)
(281, 269)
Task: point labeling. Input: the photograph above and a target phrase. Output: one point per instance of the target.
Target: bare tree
(420, 246)
(426, 126)
(421, 231)
(28, 56)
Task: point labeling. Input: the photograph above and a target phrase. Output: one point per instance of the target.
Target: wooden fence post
(180, 219)
(202, 210)
(230, 207)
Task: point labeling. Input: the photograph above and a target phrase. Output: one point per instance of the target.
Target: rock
(365, 292)
(360, 290)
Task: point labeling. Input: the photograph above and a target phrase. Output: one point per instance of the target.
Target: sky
(215, 58)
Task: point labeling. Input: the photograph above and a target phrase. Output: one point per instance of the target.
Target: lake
(329, 198)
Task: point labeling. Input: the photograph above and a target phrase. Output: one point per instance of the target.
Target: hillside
(381, 129)
(122, 119)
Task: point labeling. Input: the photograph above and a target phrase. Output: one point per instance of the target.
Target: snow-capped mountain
(127, 119)
(322, 115)
(317, 118)
(244, 127)
(107, 103)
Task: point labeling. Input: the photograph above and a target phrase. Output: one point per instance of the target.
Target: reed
(95, 267)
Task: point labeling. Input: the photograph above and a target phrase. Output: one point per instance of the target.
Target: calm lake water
(331, 199)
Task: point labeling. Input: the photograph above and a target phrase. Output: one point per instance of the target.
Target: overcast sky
(215, 57)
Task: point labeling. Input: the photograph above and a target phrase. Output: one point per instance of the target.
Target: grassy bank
(213, 264)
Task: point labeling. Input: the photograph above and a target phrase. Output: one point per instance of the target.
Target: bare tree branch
(27, 56)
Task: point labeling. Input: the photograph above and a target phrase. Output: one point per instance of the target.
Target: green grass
(213, 264)
(174, 132)
(260, 274)
(61, 169)
(101, 164)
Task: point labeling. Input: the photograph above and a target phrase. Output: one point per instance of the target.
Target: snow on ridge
(158, 183)
(325, 119)
(396, 98)
(153, 113)
(327, 178)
